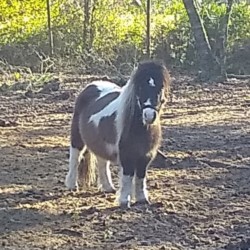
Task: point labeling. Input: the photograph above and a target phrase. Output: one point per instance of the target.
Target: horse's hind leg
(74, 161)
(104, 176)
(77, 149)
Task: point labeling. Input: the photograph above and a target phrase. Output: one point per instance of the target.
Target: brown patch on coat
(142, 141)
(76, 140)
(89, 94)
(102, 102)
(107, 129)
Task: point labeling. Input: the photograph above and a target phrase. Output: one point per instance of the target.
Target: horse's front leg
(126, 175)
(140, 182)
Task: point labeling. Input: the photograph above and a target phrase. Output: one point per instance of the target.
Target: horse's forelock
(151, 68)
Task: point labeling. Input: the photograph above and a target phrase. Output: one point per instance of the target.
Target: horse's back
(93, 91)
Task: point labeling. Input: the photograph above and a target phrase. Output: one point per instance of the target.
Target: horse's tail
(87, 169)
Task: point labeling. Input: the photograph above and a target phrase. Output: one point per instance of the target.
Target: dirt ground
(201, 200)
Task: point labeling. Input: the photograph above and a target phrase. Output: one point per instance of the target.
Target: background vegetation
(111, 36)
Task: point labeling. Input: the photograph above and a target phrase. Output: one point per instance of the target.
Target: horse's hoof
(71, 184)
(142, 202)
(124, 205)
(73, 188)
(109, 191)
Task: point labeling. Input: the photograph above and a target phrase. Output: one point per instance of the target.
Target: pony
(119, 126)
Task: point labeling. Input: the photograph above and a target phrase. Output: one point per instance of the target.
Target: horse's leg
(126, 173)
(77, 149)
(74, 160)
(140, 185)
(104, 176)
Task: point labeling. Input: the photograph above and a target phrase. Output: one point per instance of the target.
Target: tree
(224, 36)
(211, 66)
(86, 24)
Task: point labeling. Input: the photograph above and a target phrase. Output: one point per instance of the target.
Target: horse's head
(151, 81)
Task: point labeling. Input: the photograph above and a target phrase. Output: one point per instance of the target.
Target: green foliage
(117, 31)
(19, 19)
(240, 23)
(116, 25)
(238, 33)
(171, 33)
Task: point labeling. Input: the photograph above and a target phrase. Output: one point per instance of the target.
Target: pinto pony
(119, 126)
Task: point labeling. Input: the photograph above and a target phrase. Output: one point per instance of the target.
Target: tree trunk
(50, 34)
(209, 66)
(148, 35)
(222, 41)
(86, 24)
(92, 24)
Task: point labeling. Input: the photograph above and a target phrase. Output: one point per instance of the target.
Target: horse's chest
(143, 140)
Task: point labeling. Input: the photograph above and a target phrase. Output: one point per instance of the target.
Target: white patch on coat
(140, 191)
(125, 188)
(108, 110)
(151, 82)
(105, 87)
(104, 176)
(71, 178)
(148, 102)
(148, 115)
(116, 105)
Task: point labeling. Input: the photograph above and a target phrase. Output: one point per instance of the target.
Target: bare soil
(200, 200)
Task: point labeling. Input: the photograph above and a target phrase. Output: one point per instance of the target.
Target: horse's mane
(126, 108)
(128, 98)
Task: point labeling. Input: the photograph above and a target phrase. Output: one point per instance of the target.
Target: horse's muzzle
(149, 115)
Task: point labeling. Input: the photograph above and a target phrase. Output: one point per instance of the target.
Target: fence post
(50, 34)
(148, 40)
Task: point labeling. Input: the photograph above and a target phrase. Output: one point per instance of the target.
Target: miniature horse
(120, 126)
